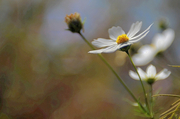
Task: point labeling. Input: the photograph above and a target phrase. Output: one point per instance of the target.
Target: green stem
(151, 101)
(145, 94)
(90, 45)
(109, 66)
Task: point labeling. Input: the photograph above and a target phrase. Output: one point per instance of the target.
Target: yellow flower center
(122, 38)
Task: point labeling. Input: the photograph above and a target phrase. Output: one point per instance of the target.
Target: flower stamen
(122, 38)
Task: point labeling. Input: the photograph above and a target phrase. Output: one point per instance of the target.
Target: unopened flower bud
(163, 25)
(74, 22)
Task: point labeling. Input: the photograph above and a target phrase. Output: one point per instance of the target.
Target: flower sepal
(150, 81)
(125, 49)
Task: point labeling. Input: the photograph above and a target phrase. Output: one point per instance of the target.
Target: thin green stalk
(151, 101)
(109, 66)
(169, 95)
(145, 94)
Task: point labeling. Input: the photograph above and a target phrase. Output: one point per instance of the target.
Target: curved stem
(114, 72)
(145, 94)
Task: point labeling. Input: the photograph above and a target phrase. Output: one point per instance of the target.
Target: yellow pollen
(122, 38)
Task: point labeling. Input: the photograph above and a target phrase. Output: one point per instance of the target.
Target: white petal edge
(135, 29)
(169, 37)
(141, 73)
(135, 37)
(151, 71)
(140, 60)
(114, 32)
(164, 40)
(146, 49)
(109, 49)
(158, 41)
(100, 42)
(163, 74)
(144, 56)
(96, 51)
(131, 29)
(133, 75)
(133, 41)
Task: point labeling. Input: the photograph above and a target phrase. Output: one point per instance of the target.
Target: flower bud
(163, 24)
(74, 22)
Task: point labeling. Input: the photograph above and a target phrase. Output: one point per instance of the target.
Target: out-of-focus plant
(174, 110)
(28, 71)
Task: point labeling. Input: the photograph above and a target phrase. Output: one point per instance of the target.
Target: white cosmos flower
(118, 38)
(150, 75)
(160, 43)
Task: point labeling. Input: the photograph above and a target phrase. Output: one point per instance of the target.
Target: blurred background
(47, 73)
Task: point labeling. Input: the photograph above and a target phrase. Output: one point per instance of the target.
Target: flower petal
(109, 49)
(131, 29)
(145, 55)
(96, 51)
(164, 40)
(134, 29)
(151, 71)
(133, 75)
(136, 40)
(114, 32)
(158, 42)
(163, 74)
(135, 37)
(141, 73)
(100, 42)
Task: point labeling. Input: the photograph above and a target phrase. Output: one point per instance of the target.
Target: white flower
(160, 43)
(150, 75)
(118, 38)
(164, 40)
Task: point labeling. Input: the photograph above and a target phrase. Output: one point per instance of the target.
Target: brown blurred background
(46, 72)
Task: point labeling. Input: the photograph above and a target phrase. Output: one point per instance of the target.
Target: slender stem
(169, 95)
(145, 94)
(151, 101)
(114, 72)
(90, 45)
